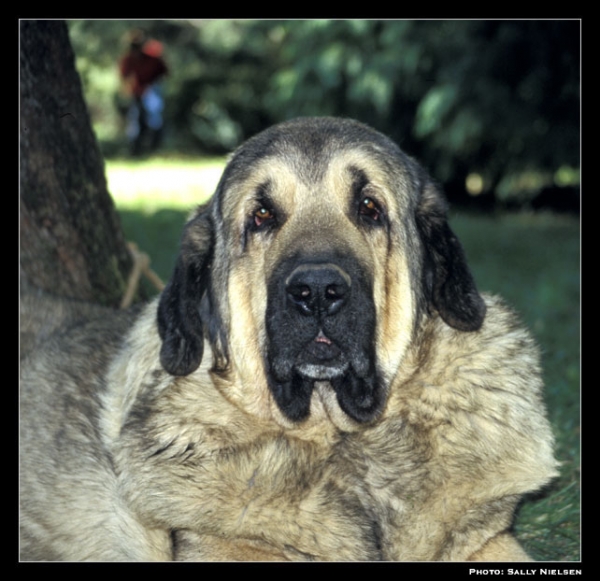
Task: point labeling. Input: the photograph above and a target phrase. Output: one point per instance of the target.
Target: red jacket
(143, 69)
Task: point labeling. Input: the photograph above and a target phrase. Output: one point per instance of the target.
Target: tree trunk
(71, 239)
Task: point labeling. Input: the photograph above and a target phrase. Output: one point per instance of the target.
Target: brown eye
(369, 209)
(262, 215)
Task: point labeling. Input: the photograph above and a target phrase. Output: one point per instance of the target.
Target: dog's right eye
(370, 209)
(370, 212)
(263, 216)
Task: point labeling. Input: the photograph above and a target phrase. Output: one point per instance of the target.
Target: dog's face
(311, 267)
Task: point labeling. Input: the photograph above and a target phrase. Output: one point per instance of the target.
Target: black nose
(318, 290)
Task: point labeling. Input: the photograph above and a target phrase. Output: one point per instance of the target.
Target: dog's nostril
(300, 292)
(301, 296)
(334, 292)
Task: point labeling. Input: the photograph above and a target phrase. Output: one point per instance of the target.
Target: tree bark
(71, 240)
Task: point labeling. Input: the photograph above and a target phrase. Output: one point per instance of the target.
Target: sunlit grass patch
(157, 183)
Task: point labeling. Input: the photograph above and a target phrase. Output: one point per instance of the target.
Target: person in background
(141, 69)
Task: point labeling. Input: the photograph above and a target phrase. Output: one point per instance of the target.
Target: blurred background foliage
(491, 107)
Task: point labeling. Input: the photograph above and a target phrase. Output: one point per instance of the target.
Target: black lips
(320, 325)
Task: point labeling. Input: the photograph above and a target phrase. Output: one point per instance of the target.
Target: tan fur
(442, 470)
(121, 460)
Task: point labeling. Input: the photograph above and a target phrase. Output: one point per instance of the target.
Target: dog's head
(311, 267)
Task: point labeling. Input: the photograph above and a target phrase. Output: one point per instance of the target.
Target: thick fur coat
(320, 380)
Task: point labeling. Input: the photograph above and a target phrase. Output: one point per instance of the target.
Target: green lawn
(155, 197)
(157, 183)
(532, 260)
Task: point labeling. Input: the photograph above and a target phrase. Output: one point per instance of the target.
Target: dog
(319, 380)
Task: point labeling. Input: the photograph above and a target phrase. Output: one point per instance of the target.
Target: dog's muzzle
(320, 324)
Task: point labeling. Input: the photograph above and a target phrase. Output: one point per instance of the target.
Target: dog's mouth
(353, 380)
(321, 359)
(321, 350)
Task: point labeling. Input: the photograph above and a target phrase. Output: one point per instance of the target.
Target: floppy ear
(180, 322)
(448, 282)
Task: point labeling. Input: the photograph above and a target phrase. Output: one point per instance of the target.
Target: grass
(157, 183)
(155, 197)
(532, 260)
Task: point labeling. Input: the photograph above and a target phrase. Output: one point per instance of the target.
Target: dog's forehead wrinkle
(310, 148)
(303, 177)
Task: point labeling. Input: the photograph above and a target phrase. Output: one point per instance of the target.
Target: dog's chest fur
(399, 489)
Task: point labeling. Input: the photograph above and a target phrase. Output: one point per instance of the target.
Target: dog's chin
(321, 371)
(359, 396)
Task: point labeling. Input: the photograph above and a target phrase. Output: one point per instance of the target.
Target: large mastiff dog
(320, 380)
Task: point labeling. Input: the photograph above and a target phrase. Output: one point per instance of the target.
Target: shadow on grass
(156, 234)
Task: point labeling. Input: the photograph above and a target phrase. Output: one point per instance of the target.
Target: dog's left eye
(369, 209)
(263, 215)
